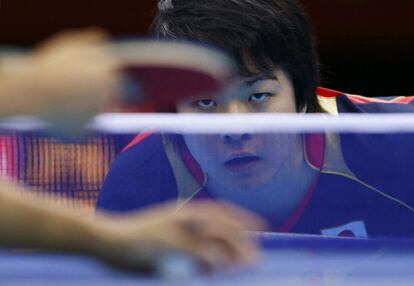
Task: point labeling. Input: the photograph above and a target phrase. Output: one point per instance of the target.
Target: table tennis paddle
(159, 73)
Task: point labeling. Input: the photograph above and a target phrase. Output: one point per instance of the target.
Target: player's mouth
(241, 162)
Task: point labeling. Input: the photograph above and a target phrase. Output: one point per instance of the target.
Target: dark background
(365, 46)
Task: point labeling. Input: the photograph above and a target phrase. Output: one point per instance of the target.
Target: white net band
(254, 123)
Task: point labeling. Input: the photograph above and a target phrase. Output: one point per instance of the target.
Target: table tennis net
(68, 173)
(376, 150)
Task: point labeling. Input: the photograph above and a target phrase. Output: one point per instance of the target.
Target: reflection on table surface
(313, 261)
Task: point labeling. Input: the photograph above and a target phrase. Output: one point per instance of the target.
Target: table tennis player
(72, 76)
(330, 184)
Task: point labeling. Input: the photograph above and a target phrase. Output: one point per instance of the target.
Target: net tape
(130, 123)
(255, 123)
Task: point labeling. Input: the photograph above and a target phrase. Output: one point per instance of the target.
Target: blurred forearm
(27, 221)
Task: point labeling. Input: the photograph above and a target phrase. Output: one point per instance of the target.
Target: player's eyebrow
(254, 79)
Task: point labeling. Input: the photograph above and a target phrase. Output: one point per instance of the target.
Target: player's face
(244, 161)
(263, 93)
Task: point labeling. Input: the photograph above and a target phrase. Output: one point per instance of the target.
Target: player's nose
(235, 138)
(236, 106)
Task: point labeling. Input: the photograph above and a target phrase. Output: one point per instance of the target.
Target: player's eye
(259, 97)
(205, 104)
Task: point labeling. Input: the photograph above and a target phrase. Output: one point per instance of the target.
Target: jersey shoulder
(134, 179)
(335, 102)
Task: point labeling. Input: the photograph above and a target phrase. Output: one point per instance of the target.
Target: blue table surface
(319, 261)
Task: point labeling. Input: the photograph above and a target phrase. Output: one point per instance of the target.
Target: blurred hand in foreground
(211, 233)
(214, 234)
(65, 80)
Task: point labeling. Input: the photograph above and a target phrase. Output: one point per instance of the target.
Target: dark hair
(261, 35)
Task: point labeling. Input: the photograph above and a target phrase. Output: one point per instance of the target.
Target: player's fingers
(221, 242)
(238, 251)
(209, 254)
(215, 245)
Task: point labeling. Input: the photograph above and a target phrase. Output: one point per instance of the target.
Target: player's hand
(66, 80)
(77, 76)
(213, 234)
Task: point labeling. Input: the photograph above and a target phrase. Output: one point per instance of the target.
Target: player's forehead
(251, 63)
(254, 66)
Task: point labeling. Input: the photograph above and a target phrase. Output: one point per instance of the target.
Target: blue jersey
(364, 185)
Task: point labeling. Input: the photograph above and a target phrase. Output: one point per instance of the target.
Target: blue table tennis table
(287, 260)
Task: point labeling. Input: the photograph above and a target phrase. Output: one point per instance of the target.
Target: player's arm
(210, 233)
(27, 220)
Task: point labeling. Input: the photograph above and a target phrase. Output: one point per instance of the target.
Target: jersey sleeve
(139, 177)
